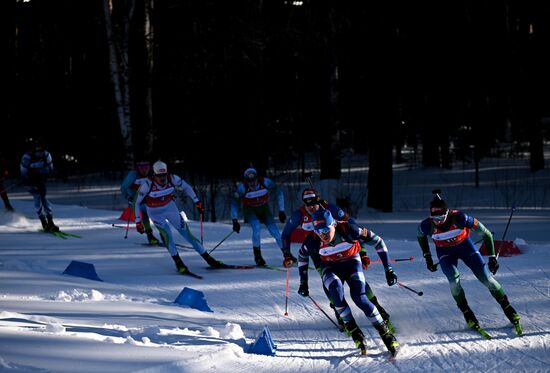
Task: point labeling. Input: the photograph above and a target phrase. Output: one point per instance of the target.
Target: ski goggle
(311, 201)
(439, 218)
(322, 231)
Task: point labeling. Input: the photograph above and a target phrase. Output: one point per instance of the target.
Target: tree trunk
(120, 77)
(149, 46)
(536, 151)
(380, 180)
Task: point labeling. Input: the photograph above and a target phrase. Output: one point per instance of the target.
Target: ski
(191, 274)
(233, 266)
(67, 234)
(481, 331)
(149, 244)
(273, 268)
(61, 234)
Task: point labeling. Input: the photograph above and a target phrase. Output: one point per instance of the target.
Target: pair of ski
(61, 234)
(517, 328)
(225, 266)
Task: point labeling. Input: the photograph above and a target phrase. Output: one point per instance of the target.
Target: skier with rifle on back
(303, 217)
(338, 245)
(450, 232)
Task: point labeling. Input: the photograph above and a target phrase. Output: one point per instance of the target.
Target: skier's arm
(141, 194)
(480, 229)
(276, 191)
(372, 239)
(127, 183)
(186, 188)
(290, 226)
(235, 201)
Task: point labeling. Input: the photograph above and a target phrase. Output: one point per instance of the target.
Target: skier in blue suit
(338, 245)
(450, 231)
(303, 217)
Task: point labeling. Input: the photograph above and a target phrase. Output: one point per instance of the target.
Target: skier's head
(438, 210)
(250, 176)
(35, 145)
(160, 168)
(143, 168)
(161, 172)
(311, 199)
(324, 225)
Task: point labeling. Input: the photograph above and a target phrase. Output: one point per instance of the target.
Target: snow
(51, 322)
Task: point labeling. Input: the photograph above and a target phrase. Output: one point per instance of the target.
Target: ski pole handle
(419, 293)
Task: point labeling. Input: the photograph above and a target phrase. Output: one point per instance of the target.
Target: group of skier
(336, 245)
(335, 242)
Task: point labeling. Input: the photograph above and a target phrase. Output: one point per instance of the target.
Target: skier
(158, 193)
(254, 192)
(338, 244)
(129, 188)
(3, 192)
(302, 216)
(36, 165)
(450, 231)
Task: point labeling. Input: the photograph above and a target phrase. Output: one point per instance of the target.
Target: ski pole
(505, 231)
(128, 224)
(202, 237)
(219, 243)
(393, 260)
(419, 293)
(118, 226)
(324, 313)
(286, 291)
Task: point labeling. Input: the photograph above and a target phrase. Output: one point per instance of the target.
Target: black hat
(438, 206)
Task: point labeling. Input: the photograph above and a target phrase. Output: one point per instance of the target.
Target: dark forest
(213, 86)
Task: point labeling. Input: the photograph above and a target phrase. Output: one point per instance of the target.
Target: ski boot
(511, 314)
(469, 316)
(182, 268)
(357, 335)
(260, 262)
(388, 338)
(44, 223)
(211, 261)
(51, 226)
(151, 238)
(384, 314)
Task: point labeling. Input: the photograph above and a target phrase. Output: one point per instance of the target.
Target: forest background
(290, 87)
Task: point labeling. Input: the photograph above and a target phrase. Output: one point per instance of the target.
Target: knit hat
(310, 196)
(322, 219)
(438, 207)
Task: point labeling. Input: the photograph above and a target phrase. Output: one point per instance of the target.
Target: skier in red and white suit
(158, 193)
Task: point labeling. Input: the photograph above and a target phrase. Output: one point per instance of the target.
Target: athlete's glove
(236, 226)
(366, 261)
(288, 259)
(287, 262)
(303, 290)
(199, 207)
(391, 277)
(140, 228)
(430, 263)
(493, 265)
(282, 216)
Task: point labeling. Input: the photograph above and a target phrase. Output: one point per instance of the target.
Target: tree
(119, 67)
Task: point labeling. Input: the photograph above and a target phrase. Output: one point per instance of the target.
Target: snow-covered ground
(51, 322)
